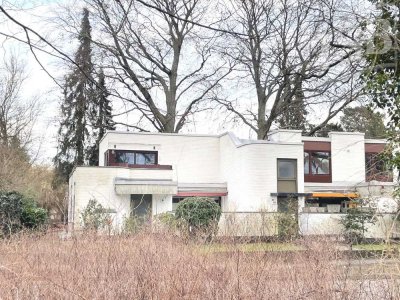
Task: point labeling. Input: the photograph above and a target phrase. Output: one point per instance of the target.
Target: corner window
(125, 157)
(134, 157)
(145, 158)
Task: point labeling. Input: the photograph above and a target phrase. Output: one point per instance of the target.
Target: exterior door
(141, 205)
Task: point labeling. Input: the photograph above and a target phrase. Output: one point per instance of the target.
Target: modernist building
(140, 173)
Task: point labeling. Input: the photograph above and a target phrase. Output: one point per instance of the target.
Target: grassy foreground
(161, 266)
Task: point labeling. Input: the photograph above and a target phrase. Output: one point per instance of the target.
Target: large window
(317, 166)
(135, 157)
(317, 163)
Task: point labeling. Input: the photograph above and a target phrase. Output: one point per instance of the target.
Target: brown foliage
(149, 266)
(18, 174)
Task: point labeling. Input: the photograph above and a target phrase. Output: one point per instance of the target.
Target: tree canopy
(364, 119)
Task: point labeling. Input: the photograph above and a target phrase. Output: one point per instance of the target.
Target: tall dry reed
(161, 266)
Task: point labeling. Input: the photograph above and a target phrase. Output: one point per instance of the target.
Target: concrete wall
(88, 183)
(266, 224)
(329, 224)
(194, 159)
(250, 171)
(348, 157)
(248, 167)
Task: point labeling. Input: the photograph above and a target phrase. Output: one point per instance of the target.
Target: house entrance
(141, 205)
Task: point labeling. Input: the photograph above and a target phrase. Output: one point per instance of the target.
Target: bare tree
(289, 57)
(17, 115)
(160, 61)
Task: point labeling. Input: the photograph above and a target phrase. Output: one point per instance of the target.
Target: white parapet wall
(329, 224)
(265, 224)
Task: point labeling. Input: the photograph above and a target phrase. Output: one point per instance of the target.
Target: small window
(306, 163)
(286, 169)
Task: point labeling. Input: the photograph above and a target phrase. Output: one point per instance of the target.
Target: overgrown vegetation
(356, 222)
(199, 216)
(287, 221)
(18, 212)
(95, 216)
(161, 266)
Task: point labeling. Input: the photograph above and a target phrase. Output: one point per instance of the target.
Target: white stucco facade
(242, 172)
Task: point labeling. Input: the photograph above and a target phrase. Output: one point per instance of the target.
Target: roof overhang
(335, 195)
(127, 186)
(288, 195)
(202, 189)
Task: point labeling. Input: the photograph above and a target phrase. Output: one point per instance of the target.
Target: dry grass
(160, 266)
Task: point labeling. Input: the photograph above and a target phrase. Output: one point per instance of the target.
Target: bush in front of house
(356, 222)
(198, 216)
(95, 216)
(18, 212)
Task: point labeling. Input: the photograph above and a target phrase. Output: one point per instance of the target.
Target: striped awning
(127, 186)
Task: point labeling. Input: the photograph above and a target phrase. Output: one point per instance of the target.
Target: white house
(250, 179)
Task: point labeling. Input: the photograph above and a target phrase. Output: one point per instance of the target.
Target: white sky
(39, 14)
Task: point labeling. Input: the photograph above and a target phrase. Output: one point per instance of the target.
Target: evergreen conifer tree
(73, 134)
(101, 119)
(293, 111)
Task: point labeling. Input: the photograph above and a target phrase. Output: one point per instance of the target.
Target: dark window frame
(381, 175)
(286, 179)
(111, 157)
(310, 177)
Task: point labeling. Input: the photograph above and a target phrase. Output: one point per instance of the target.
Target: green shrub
(198, 215)
(168, 220)
(132, 225)
(95, 216)
(10, 212)
(288, 228)
(18, 212)
(32, 216)
(287, 221)
(355, 223)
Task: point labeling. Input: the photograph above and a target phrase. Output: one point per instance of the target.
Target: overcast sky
(40, 15)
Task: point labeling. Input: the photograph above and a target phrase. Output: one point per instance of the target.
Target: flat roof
(243, 142)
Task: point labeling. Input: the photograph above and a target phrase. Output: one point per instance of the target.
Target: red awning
(200, 194)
